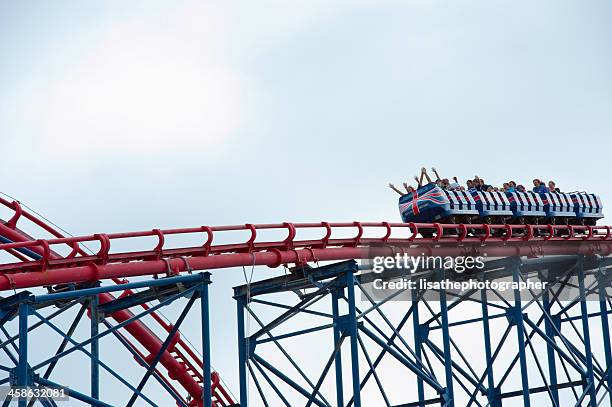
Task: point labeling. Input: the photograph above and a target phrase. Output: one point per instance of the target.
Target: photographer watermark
(464, 286)
(406, 272)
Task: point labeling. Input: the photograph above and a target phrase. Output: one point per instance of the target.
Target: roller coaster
(44, 273)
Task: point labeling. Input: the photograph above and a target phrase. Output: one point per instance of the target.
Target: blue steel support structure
(23, 378)
(550, 351)
(588, 355)
(206, 365)
(416, 329)
(31, 313)
(448, 366)
(573, 335)
(562, 363)
(517, 316)
(336, 294)
(605, 325)
(95, 348)
(352, 323)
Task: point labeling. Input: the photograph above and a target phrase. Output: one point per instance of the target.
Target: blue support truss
(30, 312)
(528, 351)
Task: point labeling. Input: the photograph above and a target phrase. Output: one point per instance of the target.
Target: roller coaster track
(39, 263)
(182, 363)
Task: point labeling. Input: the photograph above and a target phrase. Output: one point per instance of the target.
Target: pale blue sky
(117, 116)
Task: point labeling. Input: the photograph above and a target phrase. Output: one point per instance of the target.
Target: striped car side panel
(587, 203)
(527, 201)
(494, 201)
(460, 200)
(559, 202)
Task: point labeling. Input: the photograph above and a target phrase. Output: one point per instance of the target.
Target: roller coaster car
(587, 207)
(431, 203)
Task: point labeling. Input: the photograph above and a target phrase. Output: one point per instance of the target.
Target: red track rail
(495, 240)
(180, 361)
(78, 266)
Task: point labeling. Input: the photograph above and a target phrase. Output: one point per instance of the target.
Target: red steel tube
(272, 258)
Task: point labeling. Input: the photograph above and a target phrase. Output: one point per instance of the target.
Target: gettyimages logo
(458, 264)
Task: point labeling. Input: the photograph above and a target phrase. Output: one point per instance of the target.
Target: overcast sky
(118, 116)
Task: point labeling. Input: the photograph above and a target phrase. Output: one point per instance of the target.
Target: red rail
(180, 361)
(494, 240)
(212, 252)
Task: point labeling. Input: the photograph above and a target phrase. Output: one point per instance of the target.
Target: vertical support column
(352, 322)
(416, 327)
(95, 348)
(335, 294)
(242, 351)
(22, 365)
(550, 332)
(520, 333)
(605, 327)
(587, 336)
(492, 393)
(206, 364)
(449, 399)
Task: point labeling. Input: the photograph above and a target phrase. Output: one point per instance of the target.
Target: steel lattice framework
(477, 349)
(429, 353)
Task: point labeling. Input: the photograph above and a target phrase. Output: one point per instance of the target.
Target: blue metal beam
(491, 391)
(23, 373)
(520, 333)
(552, 364)
(449, 398)
(335, 295)
(352, 325)
(95, 348)
(167, 341)
(416, 328)
(590, 379)
(242, 352)
(605, 328)
(194, 278)
(206, 355)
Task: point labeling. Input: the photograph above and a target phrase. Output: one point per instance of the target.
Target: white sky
(117, 117)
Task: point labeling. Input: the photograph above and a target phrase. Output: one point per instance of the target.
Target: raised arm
(425, 174)
(395, 189)
(436, 172)
(419, 181)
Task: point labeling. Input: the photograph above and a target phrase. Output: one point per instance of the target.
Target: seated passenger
(553, 187)
(511, 187)
(442, 183)
(408, 188)
(539, 187)
(482, 186)
(454, 186)
(471, 186)
(520, 188)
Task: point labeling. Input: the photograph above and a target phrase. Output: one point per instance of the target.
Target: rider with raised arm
(393, 187)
